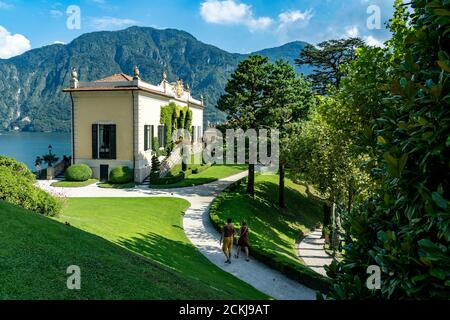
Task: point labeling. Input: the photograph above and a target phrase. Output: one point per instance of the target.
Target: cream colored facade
(128, 104)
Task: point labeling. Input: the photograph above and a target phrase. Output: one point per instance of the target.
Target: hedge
(297, 272)
(175, 117)
(17, 167)
(121, 175)
(78, 172)
(201, 168)
(20, 191)
(172, 179)
(156, 180)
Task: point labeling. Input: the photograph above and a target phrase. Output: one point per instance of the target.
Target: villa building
(115, 121)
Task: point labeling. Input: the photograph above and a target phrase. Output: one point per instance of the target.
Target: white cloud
(59, 42)
(230, 12)
(12, 44)
(5, 6)
(372, 41)
(292, 22)
(295, 16)
(111, 23)
(56, 13)
(352, 31)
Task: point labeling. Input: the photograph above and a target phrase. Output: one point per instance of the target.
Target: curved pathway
(202, 234)
(311, 251)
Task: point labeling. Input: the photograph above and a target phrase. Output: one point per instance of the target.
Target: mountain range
(31, 97)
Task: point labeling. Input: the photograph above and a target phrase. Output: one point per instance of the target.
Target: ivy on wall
(175, 117)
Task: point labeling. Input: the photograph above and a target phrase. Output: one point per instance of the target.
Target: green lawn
(211, 174)
(37, 250)
(152, 227)
(274, 232)
(74, 184)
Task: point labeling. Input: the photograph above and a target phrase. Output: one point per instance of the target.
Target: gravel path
(202, 234)
(311, 251)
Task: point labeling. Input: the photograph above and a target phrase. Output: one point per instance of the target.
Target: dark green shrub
(156, 180)
(17, 167)
(405, 228)
(156, 165)
(78, 172)
(19, 190)
(121, 175)
(201, 168)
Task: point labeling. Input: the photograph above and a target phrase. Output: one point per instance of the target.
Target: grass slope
(273, 232)
(37, 250)
(212, 174)
(152, 227)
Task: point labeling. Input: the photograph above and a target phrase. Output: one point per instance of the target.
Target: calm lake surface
(26, 146)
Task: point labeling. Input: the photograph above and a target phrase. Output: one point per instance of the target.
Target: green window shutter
(146, 138)
(95, 141)
(113, 142)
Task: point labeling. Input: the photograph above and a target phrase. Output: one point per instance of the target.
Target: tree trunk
(350, 200)
(326, 217)
(281, 188)
(251, 180)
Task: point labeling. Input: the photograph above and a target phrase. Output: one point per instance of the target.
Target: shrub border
(157, 181)
(301, 273)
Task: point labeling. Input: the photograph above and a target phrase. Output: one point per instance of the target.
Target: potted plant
(50, 159)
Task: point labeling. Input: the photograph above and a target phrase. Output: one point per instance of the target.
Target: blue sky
(234, 25)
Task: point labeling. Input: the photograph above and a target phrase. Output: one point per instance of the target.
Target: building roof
(124, 82)
(116, 77)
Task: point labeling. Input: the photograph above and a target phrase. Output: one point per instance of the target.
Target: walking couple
(227, 237)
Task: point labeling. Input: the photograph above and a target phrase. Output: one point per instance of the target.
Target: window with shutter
(113, 142)
(161, 136)
(104, 141)
(146, 138)
(95, 141)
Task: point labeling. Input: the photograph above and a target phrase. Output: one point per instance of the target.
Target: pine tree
(287, 101)
(244, 96)
(156, 165)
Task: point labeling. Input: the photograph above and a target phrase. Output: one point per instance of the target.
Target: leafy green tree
(327, 59)
(322, 154)
(287, 100)
(405, 228)
(243, 98)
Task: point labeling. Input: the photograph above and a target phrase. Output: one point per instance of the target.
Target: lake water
(26, 146)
